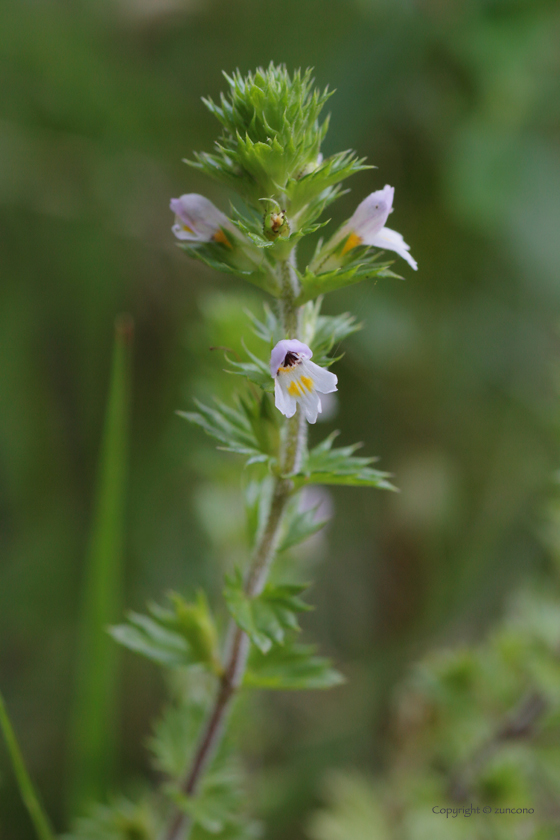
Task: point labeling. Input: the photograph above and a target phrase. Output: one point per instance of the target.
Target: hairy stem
(238, 642)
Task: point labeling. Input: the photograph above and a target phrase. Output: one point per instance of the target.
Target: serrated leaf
(253, 231)
(291, 667)
(269, 330)
(120, 820)
(228, 425)
(178, 637)
(253, 373)
(194, 622)
(255, 275)
(270, 134)
(329, 331)
(330, 171)
(176, 736)
(145, 636)
(302, 525)
(256, 371)
(325, 465)
(314, 284)
(267, 617)
(218, 809)
(258, 494)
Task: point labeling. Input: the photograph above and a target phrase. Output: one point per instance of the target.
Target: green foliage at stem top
(271, 139)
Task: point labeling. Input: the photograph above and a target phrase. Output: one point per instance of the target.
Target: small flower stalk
(269, 154)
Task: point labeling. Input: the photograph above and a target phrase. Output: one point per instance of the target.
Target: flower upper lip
(285, 347)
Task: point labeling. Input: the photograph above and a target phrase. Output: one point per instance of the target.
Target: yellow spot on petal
(294, 389)
(186, 228)
(306, 383)
(352, 241)
(220, 236)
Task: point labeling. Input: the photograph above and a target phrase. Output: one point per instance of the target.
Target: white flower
(367, 226)
(198, 220)
(298, 380)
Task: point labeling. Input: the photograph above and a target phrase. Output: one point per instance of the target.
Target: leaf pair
(268, 617)
(275, 661)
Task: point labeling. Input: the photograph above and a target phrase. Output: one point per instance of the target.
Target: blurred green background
(453, 381)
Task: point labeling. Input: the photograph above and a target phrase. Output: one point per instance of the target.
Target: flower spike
(299, 380)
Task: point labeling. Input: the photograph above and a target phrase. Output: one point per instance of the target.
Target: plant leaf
(230, 426)
(325, 465)
(302, 525)
(267, 617)
(291, 667)
(210, 256)
(178, 637)
(121, 820)
(314, 284)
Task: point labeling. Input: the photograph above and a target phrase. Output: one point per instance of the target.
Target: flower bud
(275, 225)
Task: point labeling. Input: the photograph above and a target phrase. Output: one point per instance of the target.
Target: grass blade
(31, 800)
(93, 737)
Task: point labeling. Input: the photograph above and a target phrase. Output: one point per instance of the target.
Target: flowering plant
(269, 153)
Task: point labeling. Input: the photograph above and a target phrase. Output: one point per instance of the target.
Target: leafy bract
(318, 181)
(236, 429)
(269, 329)
(271, 132)
(314, 284)
(216, 256)
(301, 525)
(323, 332)
(267, 617)
(120, 820)
(325, 465)
(320, 332)
(258, 494)
(176, 735)
(290, 667)
(181, 636)
(217, 807)
(256, 371)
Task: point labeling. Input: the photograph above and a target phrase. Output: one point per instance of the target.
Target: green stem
(38, 816)
(263, 556)
(290, 290)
